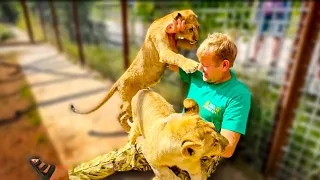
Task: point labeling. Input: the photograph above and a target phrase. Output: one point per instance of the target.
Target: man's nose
(200, 67)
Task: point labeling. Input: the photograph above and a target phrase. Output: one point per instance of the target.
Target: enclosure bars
(55, 25)
(125, 33)
(305, 41)
(77, 28)
(42, 21)
(78, 35)
(27, 19)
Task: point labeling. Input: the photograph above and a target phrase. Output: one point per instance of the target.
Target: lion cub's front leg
(170, 57)
(163, 173)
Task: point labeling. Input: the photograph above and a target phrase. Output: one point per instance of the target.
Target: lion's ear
(190, 106)
(189, 147)
(178, 16)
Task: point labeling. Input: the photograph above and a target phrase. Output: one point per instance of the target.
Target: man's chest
(212, 103)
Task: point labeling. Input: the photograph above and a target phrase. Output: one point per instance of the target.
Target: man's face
(211, 67)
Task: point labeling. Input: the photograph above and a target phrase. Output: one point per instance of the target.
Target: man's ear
(226, 64)
(190, 106)
(178, 16)
(189, 147)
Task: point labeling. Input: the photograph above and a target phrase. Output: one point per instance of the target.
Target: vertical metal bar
(305, 42)
(42, 21)
(55, 25)
(125, 33)
(78, 34)
(27, 19)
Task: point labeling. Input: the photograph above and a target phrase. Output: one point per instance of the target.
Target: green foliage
(172, 89)
(32, 115)
(5, 33)
(34, 118)
(107, 60)
(97, 13)
(25, 92)
(71, 49)
(9, 12)
(145, 10)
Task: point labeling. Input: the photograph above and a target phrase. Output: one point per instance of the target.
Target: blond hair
(221, 45)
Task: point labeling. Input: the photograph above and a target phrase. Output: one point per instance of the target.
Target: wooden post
(125, 33)
(55, 25)
(78, 34)
(27, 19)
(42, 21)
(290, 94)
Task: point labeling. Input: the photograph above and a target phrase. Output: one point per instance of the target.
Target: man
(223, 100)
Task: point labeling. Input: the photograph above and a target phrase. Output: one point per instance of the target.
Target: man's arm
(235, 120)
(233, 138)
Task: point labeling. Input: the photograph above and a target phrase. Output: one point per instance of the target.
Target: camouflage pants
(128, 158)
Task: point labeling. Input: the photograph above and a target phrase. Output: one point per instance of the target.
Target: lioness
(150, 63)
(173, 139)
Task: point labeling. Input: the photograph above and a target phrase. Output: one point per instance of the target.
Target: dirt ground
(21, 131)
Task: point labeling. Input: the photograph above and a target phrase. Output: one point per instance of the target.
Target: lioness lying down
(150, 63)
(173, 139)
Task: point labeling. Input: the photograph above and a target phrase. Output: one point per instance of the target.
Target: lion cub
(148, 66)
(173, 139)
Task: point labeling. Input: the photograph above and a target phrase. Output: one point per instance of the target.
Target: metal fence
(264, 80)
(301, 158)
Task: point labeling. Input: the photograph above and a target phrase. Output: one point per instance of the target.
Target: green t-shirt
(226, 104)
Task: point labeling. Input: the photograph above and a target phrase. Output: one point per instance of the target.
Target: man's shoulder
(196, 77)
(241, 88)
(197, 74)
(239, 85)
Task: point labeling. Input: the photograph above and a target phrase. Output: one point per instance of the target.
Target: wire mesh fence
(265, 78)
(302, 152)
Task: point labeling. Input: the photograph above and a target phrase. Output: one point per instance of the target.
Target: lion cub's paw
(124, 119)
(190, 66)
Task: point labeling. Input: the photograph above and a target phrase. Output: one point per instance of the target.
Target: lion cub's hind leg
(134, 133)
(125, 116)
(124, 121)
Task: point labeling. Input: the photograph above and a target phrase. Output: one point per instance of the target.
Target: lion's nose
(195, 38)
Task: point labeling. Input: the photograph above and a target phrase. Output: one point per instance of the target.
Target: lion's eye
(191, 30)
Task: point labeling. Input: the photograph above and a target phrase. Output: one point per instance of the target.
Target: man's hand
(173, 68)
(176, 26)
(172, 28)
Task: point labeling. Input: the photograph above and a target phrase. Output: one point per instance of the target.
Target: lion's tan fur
(173, 139)
(150, 62)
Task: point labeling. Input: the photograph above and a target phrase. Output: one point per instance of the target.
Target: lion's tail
(106, 98)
